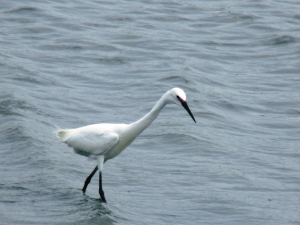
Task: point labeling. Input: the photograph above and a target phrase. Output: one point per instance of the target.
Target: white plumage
(106, 141)
(94, 139)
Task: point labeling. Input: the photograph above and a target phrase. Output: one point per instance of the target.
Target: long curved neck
(140, 125)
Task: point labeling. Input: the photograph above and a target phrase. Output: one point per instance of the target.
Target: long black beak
(185, 105)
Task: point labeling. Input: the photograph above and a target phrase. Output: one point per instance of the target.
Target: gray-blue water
(68, 64)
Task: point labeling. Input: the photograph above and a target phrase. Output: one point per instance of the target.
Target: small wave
(118, 60)
(61, 47)
(23, 9)
(284, 39)
(177, 79)
(11, 106)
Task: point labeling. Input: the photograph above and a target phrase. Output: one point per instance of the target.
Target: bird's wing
(92, 141)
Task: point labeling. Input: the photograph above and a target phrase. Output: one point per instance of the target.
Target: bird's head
(178, 97)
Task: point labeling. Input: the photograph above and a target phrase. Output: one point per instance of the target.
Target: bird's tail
(63, 135)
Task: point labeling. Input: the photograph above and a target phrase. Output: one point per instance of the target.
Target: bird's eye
(180, 99)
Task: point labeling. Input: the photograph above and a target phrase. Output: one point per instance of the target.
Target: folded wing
(89, 141)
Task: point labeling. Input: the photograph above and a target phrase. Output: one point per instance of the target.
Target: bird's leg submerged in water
(101, 192)
(88, 179)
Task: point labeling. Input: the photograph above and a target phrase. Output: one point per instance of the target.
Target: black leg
(101, 192)
(88, 179)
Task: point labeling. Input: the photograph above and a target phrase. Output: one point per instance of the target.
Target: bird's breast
(124, 141)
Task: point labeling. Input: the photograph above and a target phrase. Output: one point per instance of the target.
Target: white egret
(106, 141)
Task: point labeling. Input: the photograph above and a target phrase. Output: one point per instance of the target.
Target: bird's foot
(102, 201)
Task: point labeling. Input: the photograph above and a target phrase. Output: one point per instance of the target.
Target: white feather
(90, 140)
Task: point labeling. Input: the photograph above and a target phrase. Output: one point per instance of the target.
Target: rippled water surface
(72, 63)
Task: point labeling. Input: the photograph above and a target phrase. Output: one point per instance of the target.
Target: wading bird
(105, 141)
